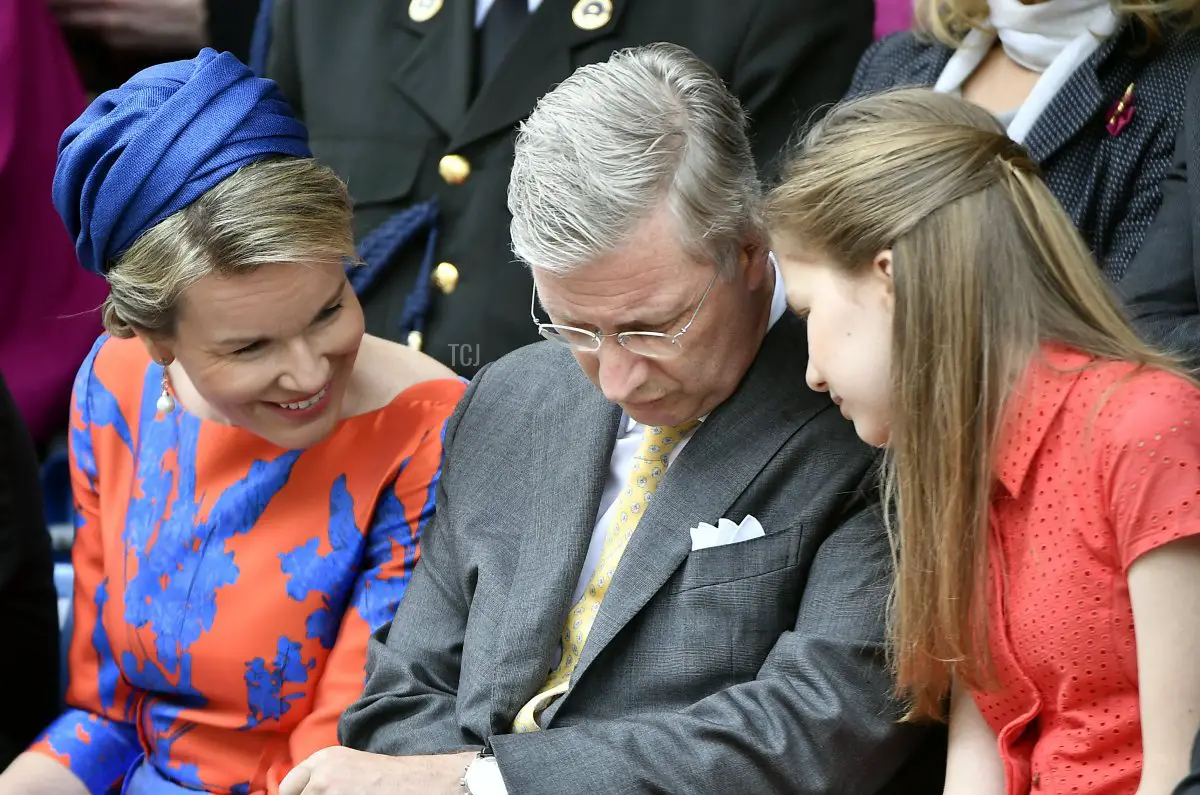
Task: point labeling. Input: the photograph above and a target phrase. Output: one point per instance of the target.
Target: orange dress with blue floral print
(225, 588)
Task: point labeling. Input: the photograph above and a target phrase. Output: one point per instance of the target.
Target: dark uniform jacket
(391, 104)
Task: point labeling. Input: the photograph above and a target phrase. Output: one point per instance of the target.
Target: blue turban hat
(146, 150)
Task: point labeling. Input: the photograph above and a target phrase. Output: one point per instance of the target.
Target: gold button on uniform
(445, 276)
(592, 14)
(454, 169)
(423, 10)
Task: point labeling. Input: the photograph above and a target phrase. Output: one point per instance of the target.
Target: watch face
(482, 776)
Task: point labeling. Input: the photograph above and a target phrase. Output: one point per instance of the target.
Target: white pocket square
(726, 532)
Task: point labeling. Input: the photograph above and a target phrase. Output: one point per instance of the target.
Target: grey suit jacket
(750, 668)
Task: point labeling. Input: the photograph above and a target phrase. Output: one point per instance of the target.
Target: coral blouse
(225, 588)
(1100, 464)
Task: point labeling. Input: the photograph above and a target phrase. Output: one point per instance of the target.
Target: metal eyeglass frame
(622, 336)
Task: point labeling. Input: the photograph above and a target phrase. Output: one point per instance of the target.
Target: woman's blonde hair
(987, 267)
(949, 21)
(276, 210)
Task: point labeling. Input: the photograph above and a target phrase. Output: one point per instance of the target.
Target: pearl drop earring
(166, 403)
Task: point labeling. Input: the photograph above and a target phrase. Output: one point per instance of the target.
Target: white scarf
(1053, 37)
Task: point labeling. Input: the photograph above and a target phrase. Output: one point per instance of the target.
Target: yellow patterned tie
(650, 464)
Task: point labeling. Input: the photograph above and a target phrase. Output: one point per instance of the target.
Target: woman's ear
(160, 348)
(881, 271)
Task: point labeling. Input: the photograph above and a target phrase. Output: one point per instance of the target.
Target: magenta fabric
(891, 16)
(49, 306)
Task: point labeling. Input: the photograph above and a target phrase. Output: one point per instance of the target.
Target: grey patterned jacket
(1109, 184)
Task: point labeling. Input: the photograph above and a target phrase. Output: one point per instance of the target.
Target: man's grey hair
(613, 142)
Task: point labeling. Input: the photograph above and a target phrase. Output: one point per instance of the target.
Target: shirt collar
(1032, 408)
(778, 295)
(482, 7)
(631, 424)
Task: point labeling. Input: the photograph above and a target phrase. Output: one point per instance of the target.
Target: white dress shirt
(482, 7)
(483, 776)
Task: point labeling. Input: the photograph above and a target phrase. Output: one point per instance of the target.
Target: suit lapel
(437, 76)
(541, 57)
(573, 443)
(726, 454)
(1087, 93)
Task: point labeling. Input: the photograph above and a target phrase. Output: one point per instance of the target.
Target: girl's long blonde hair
(949, 21)
(987, 267)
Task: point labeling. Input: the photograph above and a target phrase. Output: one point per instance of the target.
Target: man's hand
(147, 25)
(343, 771)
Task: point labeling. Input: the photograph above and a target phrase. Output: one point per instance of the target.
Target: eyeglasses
(651, 344)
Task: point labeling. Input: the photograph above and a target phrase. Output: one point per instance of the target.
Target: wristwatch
(467, 776)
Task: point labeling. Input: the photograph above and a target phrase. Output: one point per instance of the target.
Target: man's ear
(754, 262)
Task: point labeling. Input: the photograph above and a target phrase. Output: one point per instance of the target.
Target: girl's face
(849, 318)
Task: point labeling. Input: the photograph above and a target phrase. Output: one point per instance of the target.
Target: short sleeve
(1152, 463)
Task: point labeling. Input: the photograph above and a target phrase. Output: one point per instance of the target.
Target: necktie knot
(659, 440)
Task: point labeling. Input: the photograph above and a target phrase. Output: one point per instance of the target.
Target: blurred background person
(1092, 88)
(28, 604)
(415, 104)
(49, 307)
(113, 39)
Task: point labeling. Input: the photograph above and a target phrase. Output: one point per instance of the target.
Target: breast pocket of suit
(740, 598)
(758, 557)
